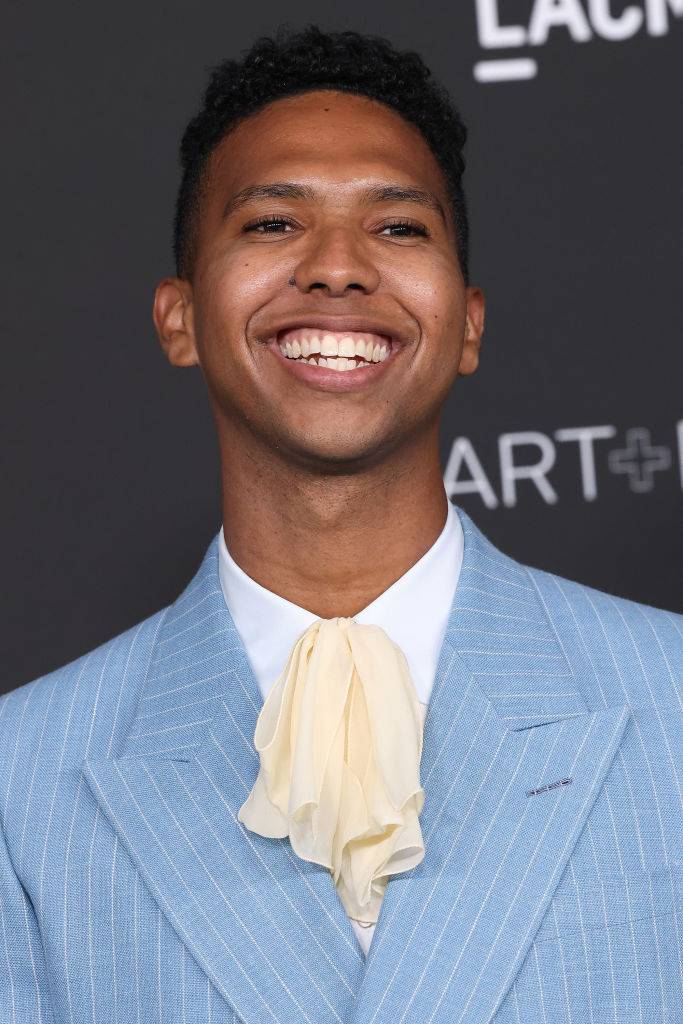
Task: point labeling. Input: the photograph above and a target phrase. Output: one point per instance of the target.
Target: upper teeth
(305, 342)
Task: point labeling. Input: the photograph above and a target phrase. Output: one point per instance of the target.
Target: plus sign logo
(640, 459)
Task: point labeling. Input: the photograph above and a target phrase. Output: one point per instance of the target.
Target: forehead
(337, 138)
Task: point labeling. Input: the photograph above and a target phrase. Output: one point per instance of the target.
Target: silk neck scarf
(339, 739)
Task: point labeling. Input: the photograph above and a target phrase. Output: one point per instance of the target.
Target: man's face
(367, 266)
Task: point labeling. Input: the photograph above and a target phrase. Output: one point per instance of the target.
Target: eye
(264, 222)
(408, 226)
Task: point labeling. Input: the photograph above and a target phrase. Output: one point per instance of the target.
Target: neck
(331, 543)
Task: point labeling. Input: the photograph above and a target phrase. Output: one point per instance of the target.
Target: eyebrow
(293, 190)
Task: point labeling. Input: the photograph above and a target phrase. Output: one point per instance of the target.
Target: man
(151, 867)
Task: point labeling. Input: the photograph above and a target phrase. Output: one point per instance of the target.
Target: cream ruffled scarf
(340, 741)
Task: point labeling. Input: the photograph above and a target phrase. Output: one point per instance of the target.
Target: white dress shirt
(413, 611)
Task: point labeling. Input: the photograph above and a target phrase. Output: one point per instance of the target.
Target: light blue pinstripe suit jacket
(130, 893)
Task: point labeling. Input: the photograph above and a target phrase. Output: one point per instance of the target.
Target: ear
(474, 328)
(174, 322)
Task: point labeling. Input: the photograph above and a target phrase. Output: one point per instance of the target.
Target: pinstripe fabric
(129, 892)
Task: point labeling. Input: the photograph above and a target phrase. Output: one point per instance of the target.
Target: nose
(335, 262)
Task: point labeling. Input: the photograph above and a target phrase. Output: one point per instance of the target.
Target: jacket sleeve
(24, 992)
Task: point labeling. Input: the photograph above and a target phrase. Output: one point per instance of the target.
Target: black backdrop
(574, 173)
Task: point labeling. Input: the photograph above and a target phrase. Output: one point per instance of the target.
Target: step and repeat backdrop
(566, 446)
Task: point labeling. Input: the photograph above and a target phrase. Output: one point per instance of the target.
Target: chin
(331, 456)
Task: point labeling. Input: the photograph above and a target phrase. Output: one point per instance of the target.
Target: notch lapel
(267, 927)
(505, 717)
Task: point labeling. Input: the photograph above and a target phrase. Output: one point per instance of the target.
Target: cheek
(231, 289)
(250, 278)
(434, 292)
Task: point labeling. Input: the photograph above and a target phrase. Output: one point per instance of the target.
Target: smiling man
(366, 768)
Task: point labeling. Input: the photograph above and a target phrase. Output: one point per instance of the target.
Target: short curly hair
(301, 61)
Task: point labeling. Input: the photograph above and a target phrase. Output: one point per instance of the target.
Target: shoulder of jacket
(66, 694)
(640, 644)
(632, 612)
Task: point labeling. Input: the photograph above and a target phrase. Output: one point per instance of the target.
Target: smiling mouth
(336, 350)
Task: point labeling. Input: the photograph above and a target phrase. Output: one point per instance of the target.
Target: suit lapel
(505, 717)
(267, 927)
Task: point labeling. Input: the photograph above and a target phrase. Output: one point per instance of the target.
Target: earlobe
(474, 327)
(173, 320)
(469, 360)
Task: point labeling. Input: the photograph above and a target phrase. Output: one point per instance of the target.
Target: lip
(338, 380)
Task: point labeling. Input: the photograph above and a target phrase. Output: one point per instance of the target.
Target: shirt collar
(413, 611)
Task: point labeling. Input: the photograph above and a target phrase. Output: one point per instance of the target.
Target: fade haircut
(301, 61)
